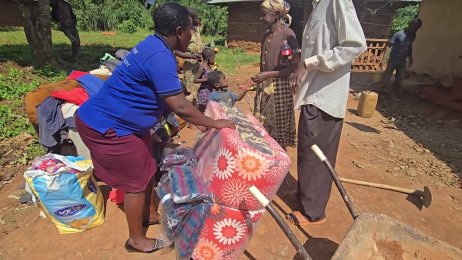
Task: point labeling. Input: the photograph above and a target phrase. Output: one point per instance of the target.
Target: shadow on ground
(288, 193)
(362, 127)
(435, 128)
(88, 58)
(319, 248)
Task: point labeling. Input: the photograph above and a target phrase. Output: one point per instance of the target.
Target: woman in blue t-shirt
(115, 122)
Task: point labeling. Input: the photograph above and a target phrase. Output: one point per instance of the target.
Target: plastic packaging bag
(179, 156)
(185, 202)
(68, 193)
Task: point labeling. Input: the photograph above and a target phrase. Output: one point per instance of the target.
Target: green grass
(13, 47)
(88, 38)
(18, 76)
(232, 60)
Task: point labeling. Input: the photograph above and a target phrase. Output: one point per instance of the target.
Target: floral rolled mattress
(226, 233)
(230, 161)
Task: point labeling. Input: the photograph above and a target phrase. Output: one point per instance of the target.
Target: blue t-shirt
(401, 43)
(223, 96)
(131, 100)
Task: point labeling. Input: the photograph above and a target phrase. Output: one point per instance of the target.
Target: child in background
(220, 93)
(208, 60)
(167, 127)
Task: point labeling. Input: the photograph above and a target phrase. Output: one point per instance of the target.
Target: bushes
(110, 15)
(403, 16)
(127, 26)
(131, 15)
(214, 18)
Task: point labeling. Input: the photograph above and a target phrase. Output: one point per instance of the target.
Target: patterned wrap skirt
(274, 106)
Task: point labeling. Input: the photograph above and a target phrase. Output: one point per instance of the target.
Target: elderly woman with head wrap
(274, 100)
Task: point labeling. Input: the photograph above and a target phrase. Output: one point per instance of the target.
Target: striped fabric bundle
(185, 202)
(186, 187)
(179, 156)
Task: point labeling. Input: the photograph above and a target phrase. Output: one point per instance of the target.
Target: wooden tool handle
(378, 185)
(277, 217)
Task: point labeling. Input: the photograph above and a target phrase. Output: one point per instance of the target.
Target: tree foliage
(214, 18)
(403, 16)
(130, 15)
(111, 15)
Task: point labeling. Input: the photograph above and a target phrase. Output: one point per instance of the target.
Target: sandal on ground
(297, 218)
(157, 246)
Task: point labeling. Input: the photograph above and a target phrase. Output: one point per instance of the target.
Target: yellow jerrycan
(367, 104)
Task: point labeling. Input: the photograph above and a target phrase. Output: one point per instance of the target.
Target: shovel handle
(301, 251)
(380, 186)
(337, 182)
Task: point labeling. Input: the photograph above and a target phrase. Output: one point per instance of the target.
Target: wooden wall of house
(300, 10)
(10, 15)
(244, 22)
(244, 19)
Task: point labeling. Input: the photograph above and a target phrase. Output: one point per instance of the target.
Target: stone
(12, 196)
(359, 164)
(389, 120)
(412, 173)
(391, 145)
(354, 145)
(391, 127)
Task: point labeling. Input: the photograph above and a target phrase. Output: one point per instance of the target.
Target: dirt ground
(410, 143)
(246, 45)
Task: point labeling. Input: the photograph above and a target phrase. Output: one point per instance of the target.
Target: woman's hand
(219, 124)
(224, 123)
(261, 77)
(297, 76)
(196, 56)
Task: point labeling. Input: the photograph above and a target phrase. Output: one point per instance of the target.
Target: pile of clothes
(55, 113)
(110, 62)
(51, 107)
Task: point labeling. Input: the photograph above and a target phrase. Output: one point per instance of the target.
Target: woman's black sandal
(158, 245)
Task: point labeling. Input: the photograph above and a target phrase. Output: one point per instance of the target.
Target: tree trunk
(37, 26)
